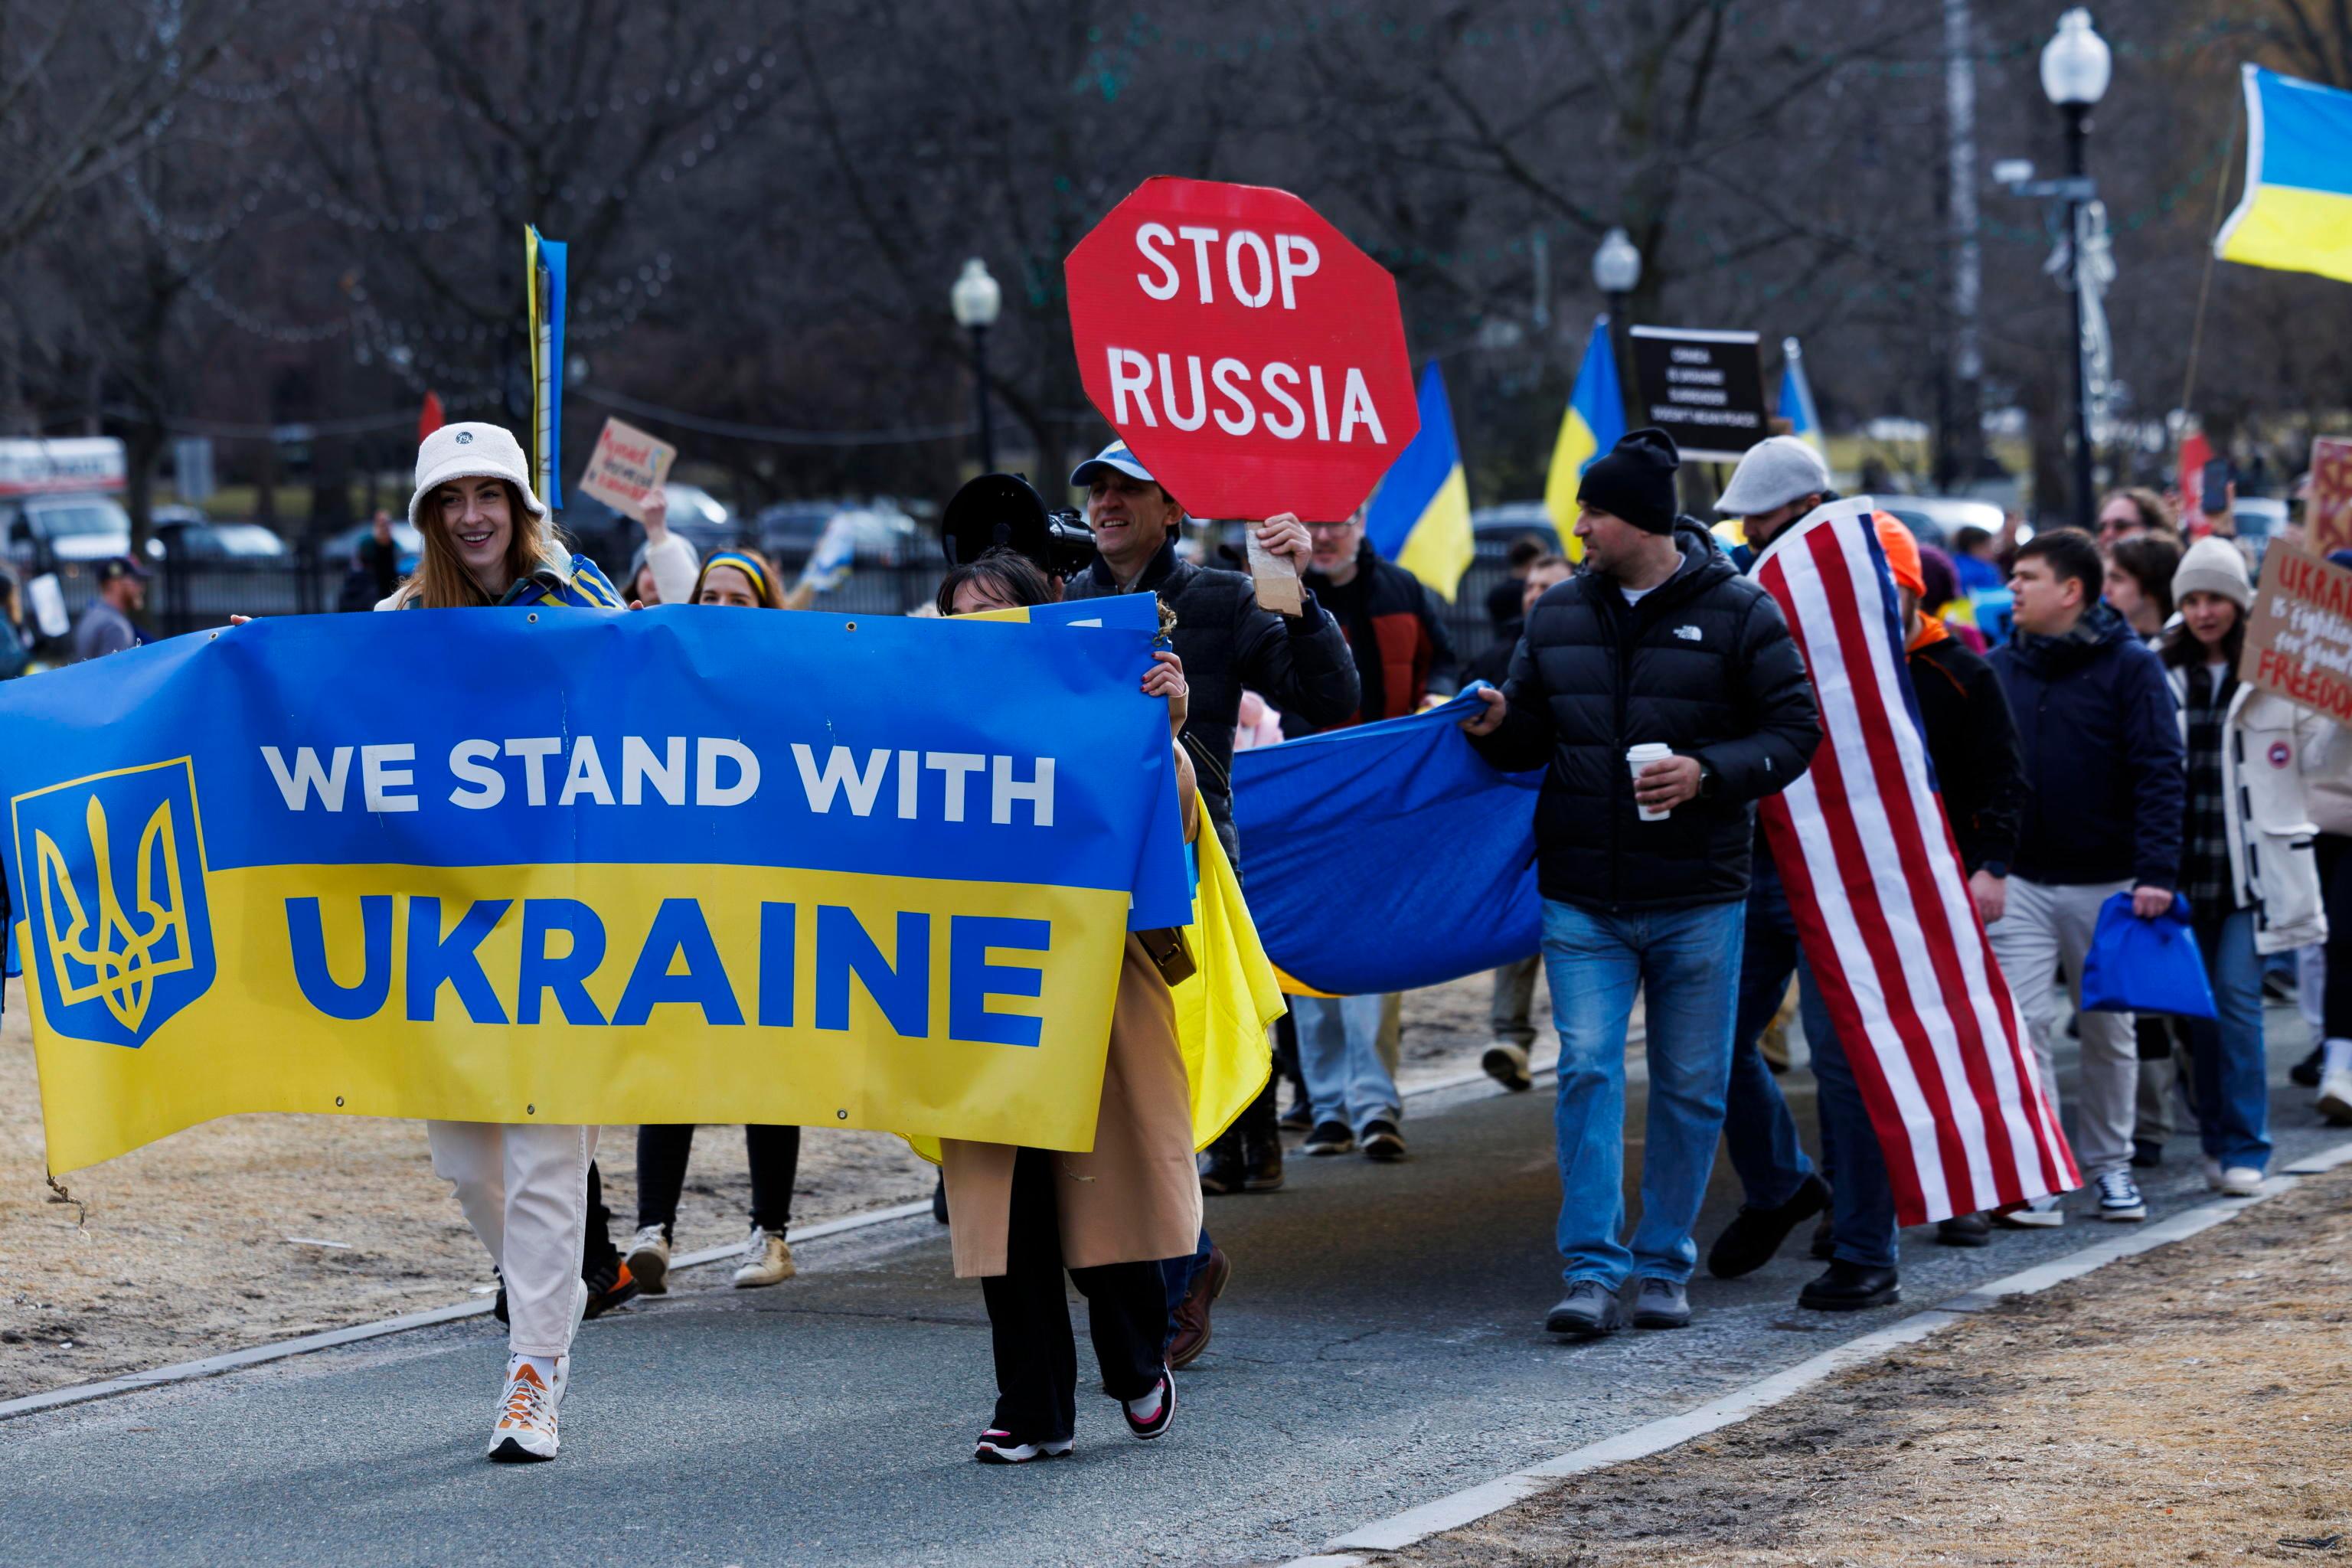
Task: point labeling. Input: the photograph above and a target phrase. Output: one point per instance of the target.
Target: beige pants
(525, 1192)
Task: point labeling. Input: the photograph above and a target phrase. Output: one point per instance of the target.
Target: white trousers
(525, 1192)
(2045, 928)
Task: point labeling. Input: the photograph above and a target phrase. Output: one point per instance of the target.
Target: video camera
(1005, 510)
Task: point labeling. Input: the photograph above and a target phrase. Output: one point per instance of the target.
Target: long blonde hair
(441, 581)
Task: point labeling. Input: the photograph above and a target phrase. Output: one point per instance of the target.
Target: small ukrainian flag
(1594, 423)
(1797, 398)
(2296, 211)
(1420, 516)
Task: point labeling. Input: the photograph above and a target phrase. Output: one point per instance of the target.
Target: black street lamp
(976, 299)
(1617, 273)
(2075, 67)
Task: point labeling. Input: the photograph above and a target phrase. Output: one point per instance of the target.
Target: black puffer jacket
(1227, 641)
(1704, 663)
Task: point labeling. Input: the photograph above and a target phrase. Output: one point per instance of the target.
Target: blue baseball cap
(1115, 456)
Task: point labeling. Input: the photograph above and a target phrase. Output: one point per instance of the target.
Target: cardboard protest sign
(1251, 356)
(2327, 515)
(2299, 640)
(1705, 389)
(626, 465)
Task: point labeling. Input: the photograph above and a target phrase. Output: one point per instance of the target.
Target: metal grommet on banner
(339, 1099)
(533, 617)
(850, 627)
(841, 1115)
(531, 1110)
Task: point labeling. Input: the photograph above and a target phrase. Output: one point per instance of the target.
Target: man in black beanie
(1663, 650)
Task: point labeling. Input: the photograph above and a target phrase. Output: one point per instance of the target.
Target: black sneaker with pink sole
(1147, 1430)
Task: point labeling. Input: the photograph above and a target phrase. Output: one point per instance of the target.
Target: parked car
(1936, 519)
(2259, 520)
(183, 532)
(882, 533)
(1510, 520)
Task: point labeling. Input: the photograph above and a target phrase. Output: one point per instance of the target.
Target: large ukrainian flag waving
(2296, 211)
(1594, 423)
(1420, 517)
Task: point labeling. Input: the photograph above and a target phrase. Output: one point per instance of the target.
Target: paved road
(1380, 1346)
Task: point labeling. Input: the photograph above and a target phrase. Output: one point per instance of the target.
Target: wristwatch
(1709, 781)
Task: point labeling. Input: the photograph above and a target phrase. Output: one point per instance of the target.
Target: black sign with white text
(1705, 389)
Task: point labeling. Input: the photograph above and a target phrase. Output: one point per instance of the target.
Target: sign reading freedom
(572, 865)
(1243, 349)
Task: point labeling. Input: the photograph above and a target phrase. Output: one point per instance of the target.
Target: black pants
(2334, 850)
(1029, 1317)
(661, 1173)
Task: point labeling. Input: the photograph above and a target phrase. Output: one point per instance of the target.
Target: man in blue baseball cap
(1300, 664)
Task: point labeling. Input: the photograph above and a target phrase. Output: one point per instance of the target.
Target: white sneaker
(649, 1261)
(2213, 1173)
(526, 1428)
(766, 1261)
(2042, 1214)
(2335, 1099)
(2119, 1197)
(2238, 1182)
(1505, 1062)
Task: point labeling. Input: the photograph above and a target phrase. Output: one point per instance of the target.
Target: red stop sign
(1251, 356)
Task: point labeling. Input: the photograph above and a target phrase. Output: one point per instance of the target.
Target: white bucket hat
(470, 451)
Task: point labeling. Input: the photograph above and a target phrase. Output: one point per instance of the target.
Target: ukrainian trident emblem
(123, 929)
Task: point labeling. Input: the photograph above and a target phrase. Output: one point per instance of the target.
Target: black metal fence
(199, 596)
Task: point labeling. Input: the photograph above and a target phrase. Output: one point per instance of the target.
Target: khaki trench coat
(1136, 1196)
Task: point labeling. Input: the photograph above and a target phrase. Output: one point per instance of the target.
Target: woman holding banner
(1022, 1217)
(742, 579)
(524, 1188)
(2248, 870)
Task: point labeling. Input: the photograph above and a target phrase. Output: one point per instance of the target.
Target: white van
(60, 500)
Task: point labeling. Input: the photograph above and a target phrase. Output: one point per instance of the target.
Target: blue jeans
(1176, 1277)
(1687, 964)
(2232, 1073)
(1759, 1131)
(1339, 1055)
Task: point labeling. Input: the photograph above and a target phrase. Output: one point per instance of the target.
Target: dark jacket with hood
(2105, 768)
(1705, 664)
(1973, 741)
(1227, 641)
(1399, 640)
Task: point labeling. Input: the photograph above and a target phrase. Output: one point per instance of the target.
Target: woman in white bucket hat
(488, 541)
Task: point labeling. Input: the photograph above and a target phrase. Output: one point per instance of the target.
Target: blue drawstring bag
(2145, 966)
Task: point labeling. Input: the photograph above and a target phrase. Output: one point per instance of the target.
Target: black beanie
(1635, 481)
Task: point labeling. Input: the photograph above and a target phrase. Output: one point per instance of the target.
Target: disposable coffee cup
(1642, 756)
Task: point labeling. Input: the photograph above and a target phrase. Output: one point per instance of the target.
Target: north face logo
(1688, 634)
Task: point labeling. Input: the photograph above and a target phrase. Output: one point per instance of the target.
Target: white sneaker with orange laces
(526, 1428)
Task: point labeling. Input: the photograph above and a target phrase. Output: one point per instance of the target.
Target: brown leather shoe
(1192, 1312)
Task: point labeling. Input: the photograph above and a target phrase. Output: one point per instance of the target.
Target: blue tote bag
(2145, 966)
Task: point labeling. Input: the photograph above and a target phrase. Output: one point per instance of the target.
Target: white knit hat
(2214, 565)
(1777, 470)
(470, 451)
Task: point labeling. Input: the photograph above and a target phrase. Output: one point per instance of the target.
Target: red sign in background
(1249, 354)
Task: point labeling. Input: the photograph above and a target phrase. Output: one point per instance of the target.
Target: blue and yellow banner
(576, 866)
(1426, 875)
(2296, 211)
(1595, 421)
(1420, 516)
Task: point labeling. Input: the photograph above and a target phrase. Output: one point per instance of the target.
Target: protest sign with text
(582, 867)
(626, 465)
(2299, 638)
(1704, 388)
(2327, 513)
(1253, 358)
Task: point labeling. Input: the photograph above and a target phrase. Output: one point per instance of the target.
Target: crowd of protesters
(2094, 740)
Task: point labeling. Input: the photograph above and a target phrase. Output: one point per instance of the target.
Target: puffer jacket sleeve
(2157, 762)
(1526, 739)
(2000, 773)
(1300, 664)
(1777, 697)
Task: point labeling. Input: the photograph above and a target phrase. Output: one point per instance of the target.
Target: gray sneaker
(1661, 1304)
(1588, 1312)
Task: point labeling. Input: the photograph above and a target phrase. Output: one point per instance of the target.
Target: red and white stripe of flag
(1881, 902)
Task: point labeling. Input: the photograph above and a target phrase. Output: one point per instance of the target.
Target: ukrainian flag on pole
(1420, 517)
(2296, 211)
(1594, 423)
(1797, 398)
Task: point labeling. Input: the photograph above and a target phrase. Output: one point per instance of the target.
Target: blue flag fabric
(1388, 855)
